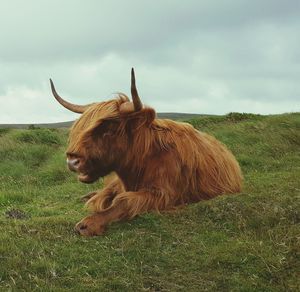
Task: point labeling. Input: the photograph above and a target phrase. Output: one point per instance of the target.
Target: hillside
(244, 242)
(173, 116)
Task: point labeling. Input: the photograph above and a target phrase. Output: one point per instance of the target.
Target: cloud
(189, 56)
(19, 102)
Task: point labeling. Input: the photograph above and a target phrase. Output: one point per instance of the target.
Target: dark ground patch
(16, 214)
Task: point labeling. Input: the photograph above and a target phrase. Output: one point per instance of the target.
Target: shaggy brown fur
(157, 164)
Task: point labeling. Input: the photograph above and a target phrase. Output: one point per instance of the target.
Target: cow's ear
(148, 115)
(126, 108)
(144, 117)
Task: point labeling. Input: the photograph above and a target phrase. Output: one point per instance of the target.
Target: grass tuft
(36, 135)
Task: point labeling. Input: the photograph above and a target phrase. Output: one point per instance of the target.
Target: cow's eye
(108, 134)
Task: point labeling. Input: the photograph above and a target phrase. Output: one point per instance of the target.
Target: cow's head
(102, 137)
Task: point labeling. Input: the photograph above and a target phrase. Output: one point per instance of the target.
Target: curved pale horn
(79, 109)
(134, 93)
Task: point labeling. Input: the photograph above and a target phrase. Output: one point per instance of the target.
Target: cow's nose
(73, 163)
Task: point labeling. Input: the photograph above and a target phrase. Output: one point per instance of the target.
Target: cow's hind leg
(124, 206)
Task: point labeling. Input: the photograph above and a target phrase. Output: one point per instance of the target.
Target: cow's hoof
(88, 196)
(89, 226)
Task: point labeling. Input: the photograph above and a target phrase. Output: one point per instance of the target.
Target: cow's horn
(72, 107)
(134, 93)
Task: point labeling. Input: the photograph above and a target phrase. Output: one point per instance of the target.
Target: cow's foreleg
(102, 199)
(125, 205)
(88, 196)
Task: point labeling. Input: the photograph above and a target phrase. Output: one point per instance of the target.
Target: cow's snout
(73, 163)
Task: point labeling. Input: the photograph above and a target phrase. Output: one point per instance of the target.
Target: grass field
(244, 242)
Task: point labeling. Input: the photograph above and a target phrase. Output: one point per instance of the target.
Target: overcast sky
(190, 56)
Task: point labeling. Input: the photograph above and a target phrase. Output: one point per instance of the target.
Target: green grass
(244, 242)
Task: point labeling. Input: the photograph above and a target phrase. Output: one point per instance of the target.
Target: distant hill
(172, 116)
(46, 125)
(179, 116)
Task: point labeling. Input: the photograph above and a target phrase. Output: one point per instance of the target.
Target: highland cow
(157, 164)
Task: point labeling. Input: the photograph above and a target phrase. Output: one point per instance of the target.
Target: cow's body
(158, 164)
